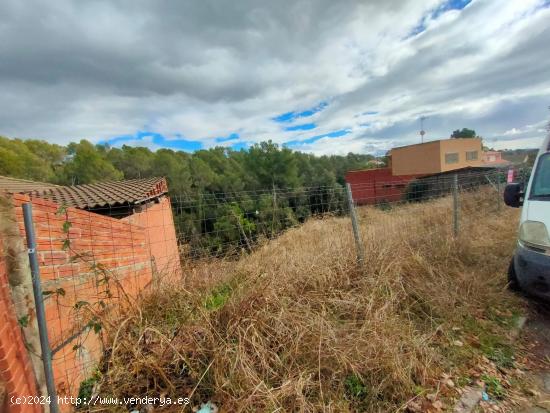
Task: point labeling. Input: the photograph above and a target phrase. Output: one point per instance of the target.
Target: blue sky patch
(444, 7)
(292, 116)
(419, 28)
(450, 5)
(158, 139)
(337, 133)
(334, 134)
(304, 126)
(231, 137)
(239, 145)
(181, 145)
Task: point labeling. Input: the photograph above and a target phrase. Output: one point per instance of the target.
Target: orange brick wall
(158, 222)
(122, 251)
(16, 372)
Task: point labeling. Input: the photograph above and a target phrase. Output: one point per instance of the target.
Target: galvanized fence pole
(40, 311)
(355, 226)
(455, 205)
(499, 191)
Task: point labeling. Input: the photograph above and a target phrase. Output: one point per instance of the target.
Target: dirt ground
(536, 336)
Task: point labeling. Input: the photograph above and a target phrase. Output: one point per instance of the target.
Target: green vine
(93, 313)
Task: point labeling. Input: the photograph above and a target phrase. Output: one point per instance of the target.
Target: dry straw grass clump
(298, 326)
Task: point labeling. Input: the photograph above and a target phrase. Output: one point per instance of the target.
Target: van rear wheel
(513, 283)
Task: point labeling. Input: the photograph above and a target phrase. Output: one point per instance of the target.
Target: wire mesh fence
(443, 203)
(93, 263)
(225, 224)
(214, 225)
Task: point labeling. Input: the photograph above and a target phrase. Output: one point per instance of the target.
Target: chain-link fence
(226, 224)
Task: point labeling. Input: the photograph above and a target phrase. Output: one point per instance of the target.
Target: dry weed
(297, 326)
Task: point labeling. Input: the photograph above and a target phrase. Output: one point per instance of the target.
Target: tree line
(222, 198)
(219, 169)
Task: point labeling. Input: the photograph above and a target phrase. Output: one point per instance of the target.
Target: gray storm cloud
(72, 70)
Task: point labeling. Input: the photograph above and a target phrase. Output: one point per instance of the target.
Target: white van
(530, 266)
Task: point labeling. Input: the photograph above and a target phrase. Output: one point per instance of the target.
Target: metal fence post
(455, 205)
(355, 226)
(499, 191)
(40, 311)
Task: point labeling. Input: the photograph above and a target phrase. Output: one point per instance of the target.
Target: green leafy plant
(494, 386)
(86, 388)
(355, 387)
(218, 297)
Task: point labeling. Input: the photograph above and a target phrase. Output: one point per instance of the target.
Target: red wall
(373, 186)
(105, 254)
(158, 222)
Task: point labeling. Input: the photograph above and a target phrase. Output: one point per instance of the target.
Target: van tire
(513, 283)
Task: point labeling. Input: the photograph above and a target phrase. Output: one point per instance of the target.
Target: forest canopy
(222, 199)
(265, 165)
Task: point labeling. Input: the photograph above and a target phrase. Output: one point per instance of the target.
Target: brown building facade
(436, 156)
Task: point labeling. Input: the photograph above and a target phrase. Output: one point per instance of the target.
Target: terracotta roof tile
(102, 194)
(14, 185)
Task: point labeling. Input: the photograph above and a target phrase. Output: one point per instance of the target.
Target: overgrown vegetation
(298, 326)
(216, 170)
(219, 195)
(223, 199)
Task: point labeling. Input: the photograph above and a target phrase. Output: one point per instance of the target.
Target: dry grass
(297, 326)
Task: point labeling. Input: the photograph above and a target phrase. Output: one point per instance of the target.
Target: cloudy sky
(321, 76)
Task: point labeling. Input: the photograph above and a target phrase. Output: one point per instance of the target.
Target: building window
(451, 157)
(471, 155)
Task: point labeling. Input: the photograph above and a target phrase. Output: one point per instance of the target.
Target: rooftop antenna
(422, 131)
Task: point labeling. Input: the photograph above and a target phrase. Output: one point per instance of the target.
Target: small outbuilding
(413, 162)
(99, 246)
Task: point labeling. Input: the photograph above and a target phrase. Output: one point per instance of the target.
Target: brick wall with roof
(129, 248)
(100, 248)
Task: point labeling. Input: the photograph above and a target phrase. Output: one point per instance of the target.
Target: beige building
(436, 156)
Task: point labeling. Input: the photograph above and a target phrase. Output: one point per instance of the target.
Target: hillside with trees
(222, 198)
(219, 169)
